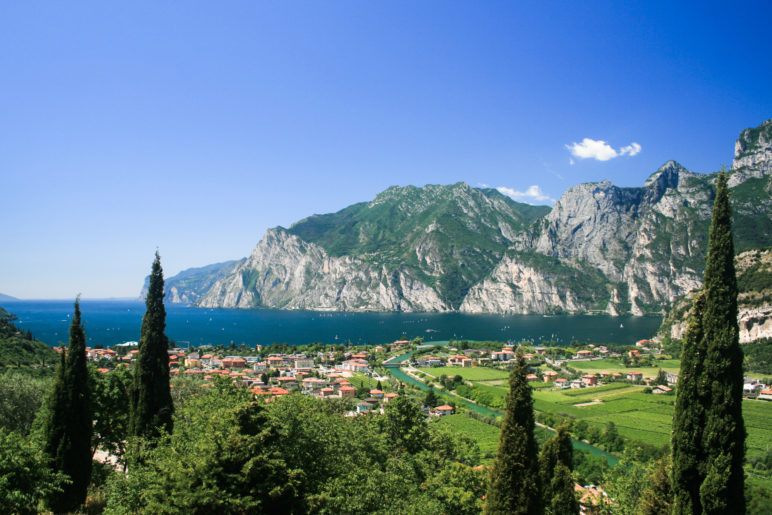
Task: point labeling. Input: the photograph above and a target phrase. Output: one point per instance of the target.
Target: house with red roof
(443, 411)
(634, 376)
(347, 392)
(590, 380)
(233, 362)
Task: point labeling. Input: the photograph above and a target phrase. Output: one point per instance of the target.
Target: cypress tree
(558, 451)
(723, 437)
(514, 483)
(68, 429)
(689, 417)
(151, 401)
(563, 500)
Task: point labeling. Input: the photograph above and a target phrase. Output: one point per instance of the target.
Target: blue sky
(194, 126)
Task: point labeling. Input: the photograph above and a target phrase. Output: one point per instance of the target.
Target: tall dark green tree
(708, 429)
(151, 401)
(514, 483)
(68, 427)
(558, 451)
(724, 433)
(689, 417)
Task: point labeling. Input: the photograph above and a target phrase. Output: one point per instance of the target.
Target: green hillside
(452, 236)
(21, 350)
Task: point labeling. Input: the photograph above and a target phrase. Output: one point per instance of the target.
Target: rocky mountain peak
(667, 175)
(752, 154)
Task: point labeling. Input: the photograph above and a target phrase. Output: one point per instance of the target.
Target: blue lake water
(109, 322)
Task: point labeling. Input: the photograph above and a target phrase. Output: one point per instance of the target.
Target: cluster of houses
(476, 357)
(324, 375)
(756, 389)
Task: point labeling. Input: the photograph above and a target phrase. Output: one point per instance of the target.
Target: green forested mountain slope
(19, 349)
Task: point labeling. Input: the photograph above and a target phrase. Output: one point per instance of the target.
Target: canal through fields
(393, 366)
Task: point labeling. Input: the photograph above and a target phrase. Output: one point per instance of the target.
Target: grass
(486, 436)
(469, 374)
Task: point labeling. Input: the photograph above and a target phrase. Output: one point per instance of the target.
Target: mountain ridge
(600, 248)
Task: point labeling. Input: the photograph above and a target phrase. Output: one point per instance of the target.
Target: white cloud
(600, 150)
(532, 195)
(631, 149)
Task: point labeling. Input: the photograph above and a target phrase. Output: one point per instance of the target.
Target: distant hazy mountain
(459, 248)
(187, 286)
(4, 297)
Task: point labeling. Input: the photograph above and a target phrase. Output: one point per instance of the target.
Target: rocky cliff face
(754, 301)
(648, 242)
(525, 283)
(601, 248)
(289, 273)
(752, 154)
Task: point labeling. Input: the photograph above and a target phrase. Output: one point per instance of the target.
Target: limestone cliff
(288, 273)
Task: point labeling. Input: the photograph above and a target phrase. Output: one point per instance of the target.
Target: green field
(469, 374)
(487, 436)
(644, 417)
(615, 365)
(363, 380)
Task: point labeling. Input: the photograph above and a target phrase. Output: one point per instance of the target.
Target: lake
(109, 322)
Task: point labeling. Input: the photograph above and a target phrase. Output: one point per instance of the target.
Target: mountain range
(600, 248)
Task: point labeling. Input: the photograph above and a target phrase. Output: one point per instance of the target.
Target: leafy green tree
(431, 399)
(657, 499)
(724, 432)
(611, 438)
(111, 410)
(557, 451)
(459, 488)
(68, 429)
(405, 424)
(151, 401)
(222, 457)
(689, 417)
(514, 483)
(25, 477)
(21, 397)
(625, 485)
